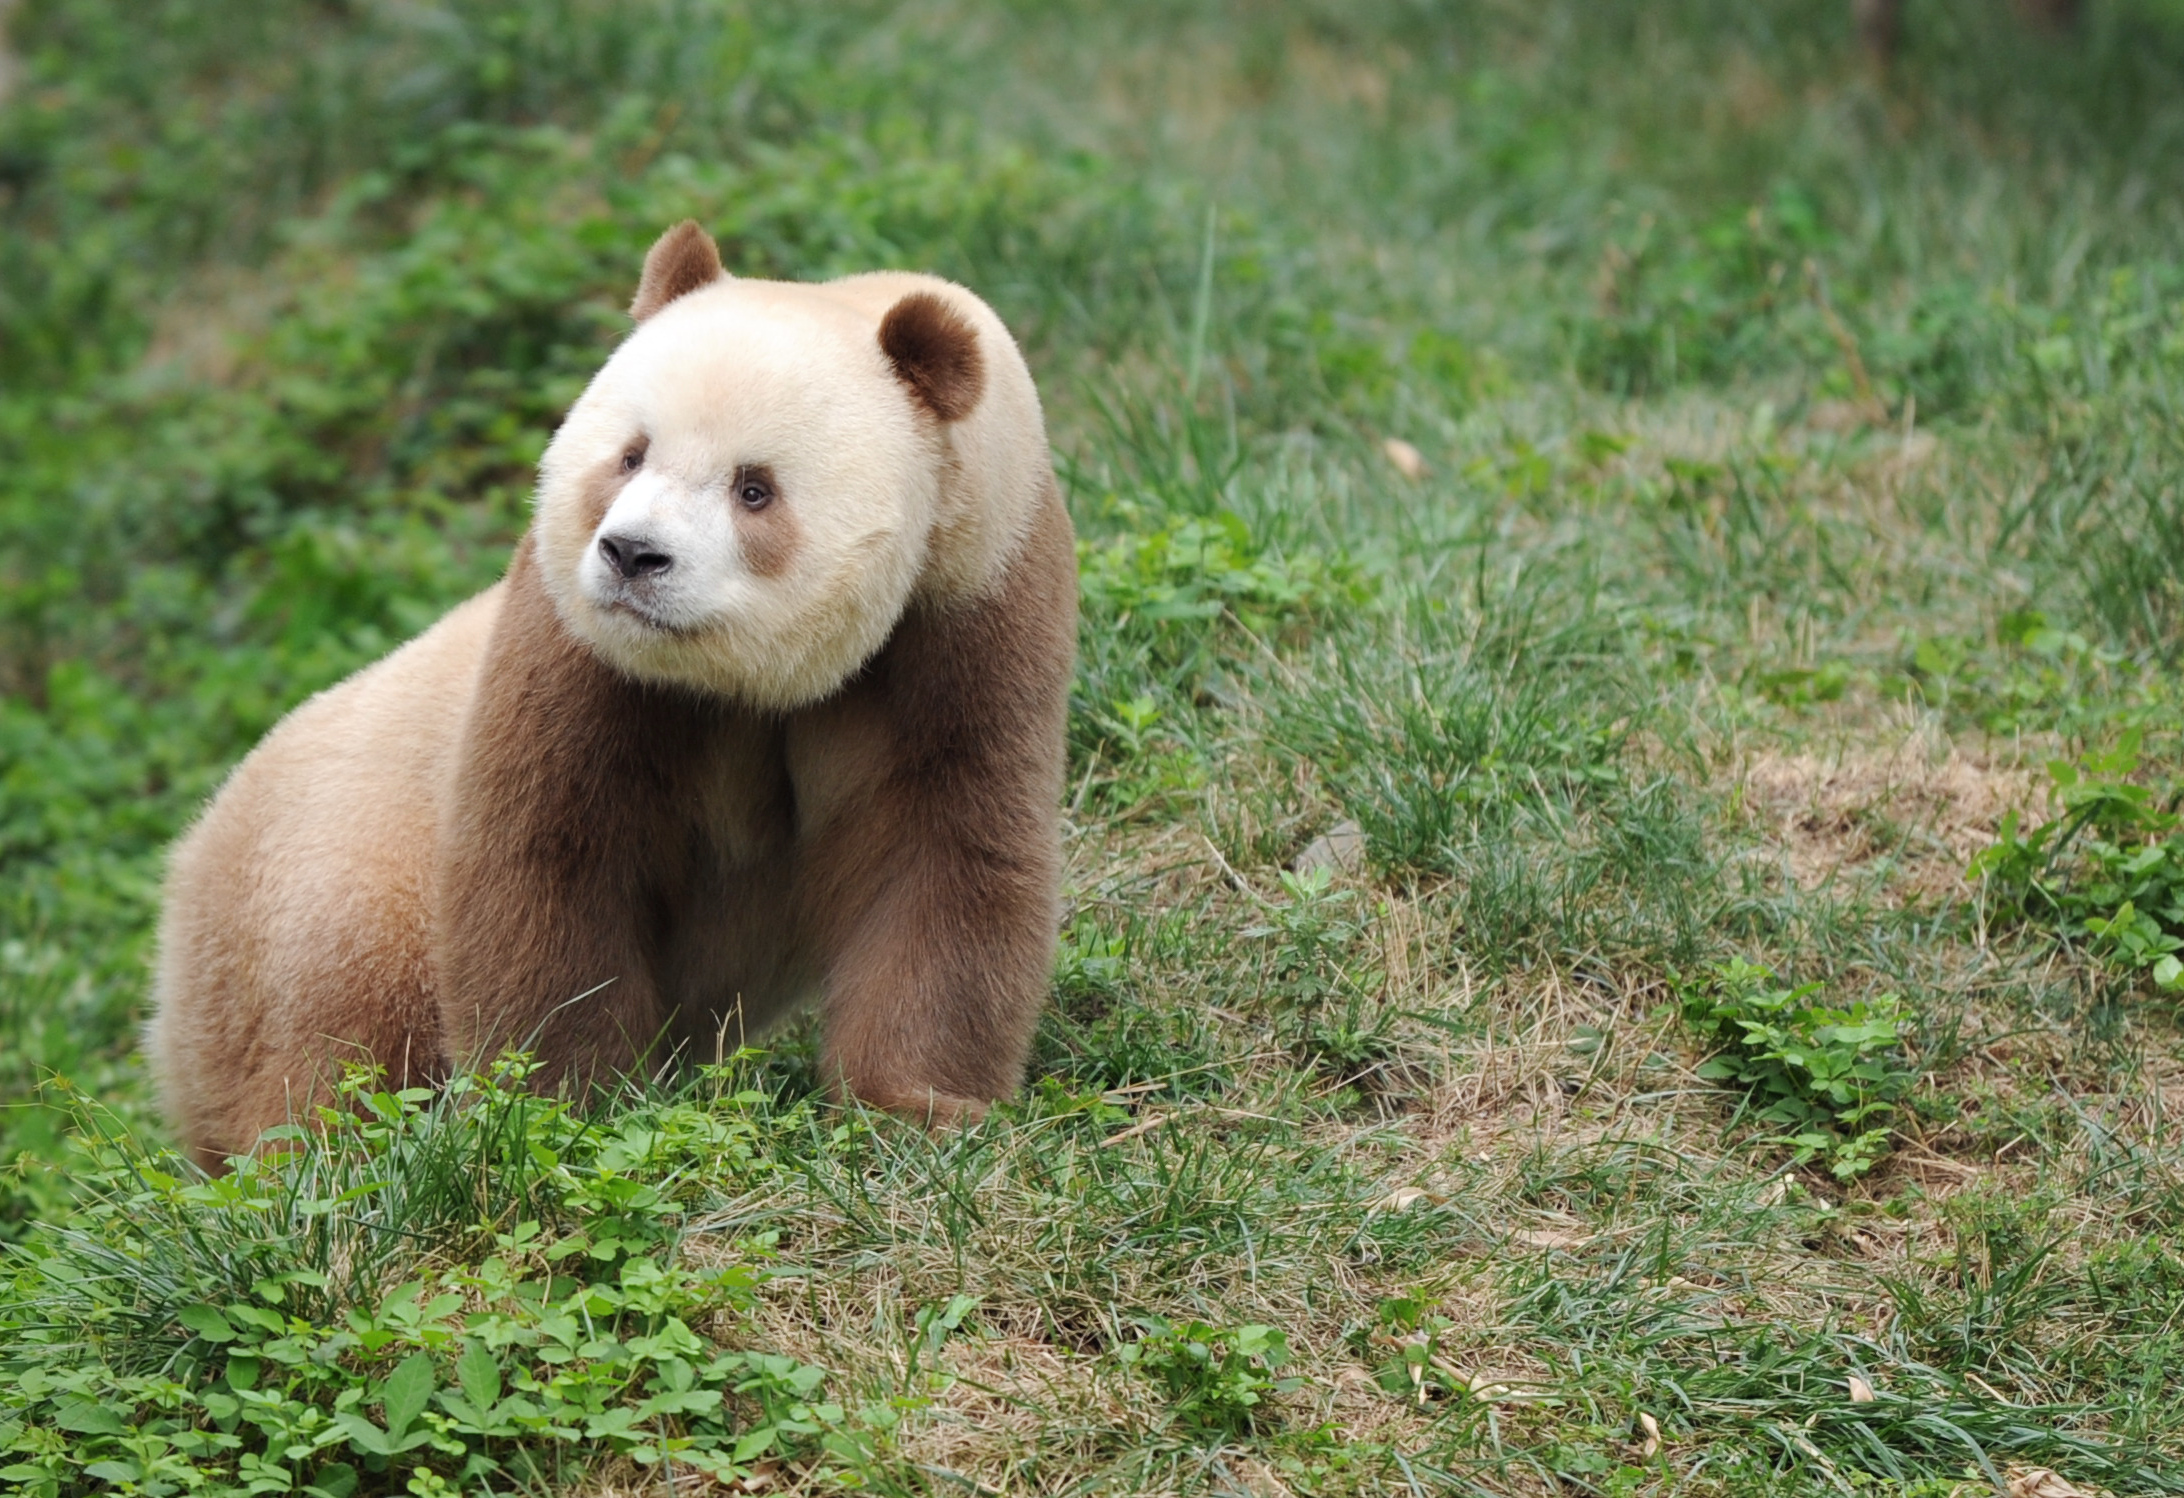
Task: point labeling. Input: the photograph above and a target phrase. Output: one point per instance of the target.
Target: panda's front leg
(536, 961)
(930, 897)
(928, 797)
(935, 983)
(563, 824)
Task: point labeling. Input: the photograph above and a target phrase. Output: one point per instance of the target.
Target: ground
(1622, 877)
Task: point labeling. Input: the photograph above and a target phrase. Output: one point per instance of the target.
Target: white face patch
(665, 554)
(664, 567)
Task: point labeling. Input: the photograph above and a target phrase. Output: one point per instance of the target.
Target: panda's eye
(633, 460)
(754, 491)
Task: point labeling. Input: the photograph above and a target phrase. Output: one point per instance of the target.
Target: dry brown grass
(1902, 819)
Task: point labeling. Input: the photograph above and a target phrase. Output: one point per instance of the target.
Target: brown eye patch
(605, 480)
(754, 486)
(766, 527)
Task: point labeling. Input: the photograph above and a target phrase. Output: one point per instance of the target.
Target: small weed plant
(1406, 1340)
(1216, 1378)
(2108, 871)
(1320, 994)
(1198, 570)
(1829, 1078)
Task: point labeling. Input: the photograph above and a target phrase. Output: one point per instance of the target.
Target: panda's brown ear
(680, 261)
(934, 350)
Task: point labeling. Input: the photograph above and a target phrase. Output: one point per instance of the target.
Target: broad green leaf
(406, 1391)
(88, 1419)
(335, 1480)
(206, 1322)
(364, 1435)
(479, 1373)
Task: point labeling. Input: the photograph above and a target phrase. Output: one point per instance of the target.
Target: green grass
(1729, 1001)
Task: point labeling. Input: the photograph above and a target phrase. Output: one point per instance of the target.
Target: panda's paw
(934, 1111)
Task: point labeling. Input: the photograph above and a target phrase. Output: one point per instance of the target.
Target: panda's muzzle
(634, 557)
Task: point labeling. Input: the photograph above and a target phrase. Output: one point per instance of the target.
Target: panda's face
(741, 501)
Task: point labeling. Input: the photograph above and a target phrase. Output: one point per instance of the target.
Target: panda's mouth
(645, 611)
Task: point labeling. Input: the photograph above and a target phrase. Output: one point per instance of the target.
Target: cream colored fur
(787, 376)
(305, 889)
(312, 869)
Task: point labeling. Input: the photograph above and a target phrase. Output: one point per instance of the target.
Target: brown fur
(493, 839)
(914, 811)
(768, 536)
(681, 261)
(601, 484)
(349, 978)
(562, 840)
(935, 353)
(933, 859)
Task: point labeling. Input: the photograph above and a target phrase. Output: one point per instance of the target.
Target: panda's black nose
(635, 556)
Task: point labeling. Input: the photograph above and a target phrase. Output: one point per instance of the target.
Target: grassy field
(1624, 869)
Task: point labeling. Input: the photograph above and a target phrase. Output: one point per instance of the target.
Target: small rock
(1408, 460)
(1861, 1392)
(1341, 848)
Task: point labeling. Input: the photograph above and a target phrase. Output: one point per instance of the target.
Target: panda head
(744, 499)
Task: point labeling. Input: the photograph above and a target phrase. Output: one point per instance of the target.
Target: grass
(1756, 704)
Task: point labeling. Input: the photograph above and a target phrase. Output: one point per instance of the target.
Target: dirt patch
(1907, 819)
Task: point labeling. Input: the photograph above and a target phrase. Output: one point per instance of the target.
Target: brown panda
(770, 706)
